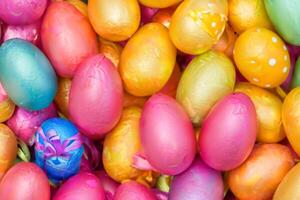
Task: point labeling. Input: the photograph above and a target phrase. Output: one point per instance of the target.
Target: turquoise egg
(27, 75)
(285, 17)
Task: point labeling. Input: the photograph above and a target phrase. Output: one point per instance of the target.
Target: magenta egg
(81, 186)
(167, 135)
(96, 96)
(132, 190)
(228, 133)
(109, 185)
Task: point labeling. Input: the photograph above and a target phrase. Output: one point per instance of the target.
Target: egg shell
(133, 190)
(81, 186)
(259, 176)
(62, 96)
(228, 132)
(25, 181)
(158, 3)
(170, 135)
(32, 87)
(147, 60)
(208, 78)
(67, 37)
(110, 50)
(109, 185)
(7, 107)
(96, 96)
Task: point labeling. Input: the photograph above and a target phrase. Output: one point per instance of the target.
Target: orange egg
(258, 177)
(114, 20)
(81, 6)
(110, 50)
(262, 57)
(130, 100)
(62, 95)
(7, 108)
(159, 3)
(170, 87)
(164, 16)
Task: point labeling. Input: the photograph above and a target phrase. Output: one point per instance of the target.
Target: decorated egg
(164, 16)
(158, 3)
(170, 135)
(32, 87)
(58, 149)
(25, 181)
(110, 50)
(228, 132)
(133, 190)
(96, 85)
(68, 43)
(207, 78)
(130, 100)
(259, 51)
(80, 5)
(109, 185)
(114, 20)
(147, 60)
(7, 107)
(62, 95)
(268, 109)
(170, 87)
(259, 176)
(296, 75)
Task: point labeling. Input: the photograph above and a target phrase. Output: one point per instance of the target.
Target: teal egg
(27, 75)
(285, 16)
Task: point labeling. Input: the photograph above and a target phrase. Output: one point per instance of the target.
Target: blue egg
(58, 149)
(27, 75)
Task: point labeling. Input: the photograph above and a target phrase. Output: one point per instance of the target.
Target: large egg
(7, 107)
(26, 75)
(268, 109)
(228, 132)
(96, 96)
(197, 25)
(147, 60)
(114, 20)
(259, 52)
(167, 132)
(207, 78)
(131, 190)
(62, 95)
(259, 176)
(67, 37)
(159, 3)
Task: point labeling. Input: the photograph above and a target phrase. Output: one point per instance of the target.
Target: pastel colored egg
(114, 20)
(62, 95)
(32, 87)
(228, 132)
(259, 51)
(133, 190)
(200, 22)
(25, 181)
(16, 12)
(80, 5)
(7, 107)
(246, 14)
(170, 135)
(259, 176)
(268, 109)
(96, 96)
(170, 87)
(147, 60)
(68, 43)
(207, 78)
(110, 50)
(158, 3)
(296, 75)
(164, 16)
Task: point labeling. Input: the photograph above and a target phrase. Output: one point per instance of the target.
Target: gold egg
(62, 95)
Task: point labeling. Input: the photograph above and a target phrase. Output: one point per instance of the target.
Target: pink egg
(110, 186)
(3, 93)
(167, 135)
(96, 96)
(132, 190)
(228, 133)
(84, 186)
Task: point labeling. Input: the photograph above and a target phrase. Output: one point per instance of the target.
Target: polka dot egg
(262, 57)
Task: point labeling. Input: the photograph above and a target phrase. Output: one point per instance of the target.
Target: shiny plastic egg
(80, 5)
(110, 50)
(132, 190)
(62, 95)
(262, 57)
(159, 3)
(7, 107)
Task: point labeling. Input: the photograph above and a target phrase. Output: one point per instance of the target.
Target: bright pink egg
(96, 96)
(132, 190)
(228, 133)
(25, 181)
(167, 135)
(85, 186)
(109, 185)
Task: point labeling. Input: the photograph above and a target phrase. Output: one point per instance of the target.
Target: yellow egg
(262, 57)
(114, 20)
(147, 60)
(81, 6)
(268, 109)
(110, 50)
(159, 3)
(197, 25)
(246, 14)
(7, 108)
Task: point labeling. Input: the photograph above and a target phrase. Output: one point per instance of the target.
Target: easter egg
(164, 16)
(58, 149)
(192, 184)
(25, 181)
(110, 50)
(228, 132)
(170, 135)
(147, 60)
(96, 96)
(80, 5)
(67, 37)
(133, 190)
(81, 186)
(296, 75)
(7, 107)
(21, 12)
(197, 25)
(32, 87)
(259, 176)
(259, 51)
(114, 20)
(62, 95)
(246, 14)
(207, 78)
(109, 185)
(268, 109)
(158, 3)
(285, 18)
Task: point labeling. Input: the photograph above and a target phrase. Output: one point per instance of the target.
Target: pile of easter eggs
(149, 99)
